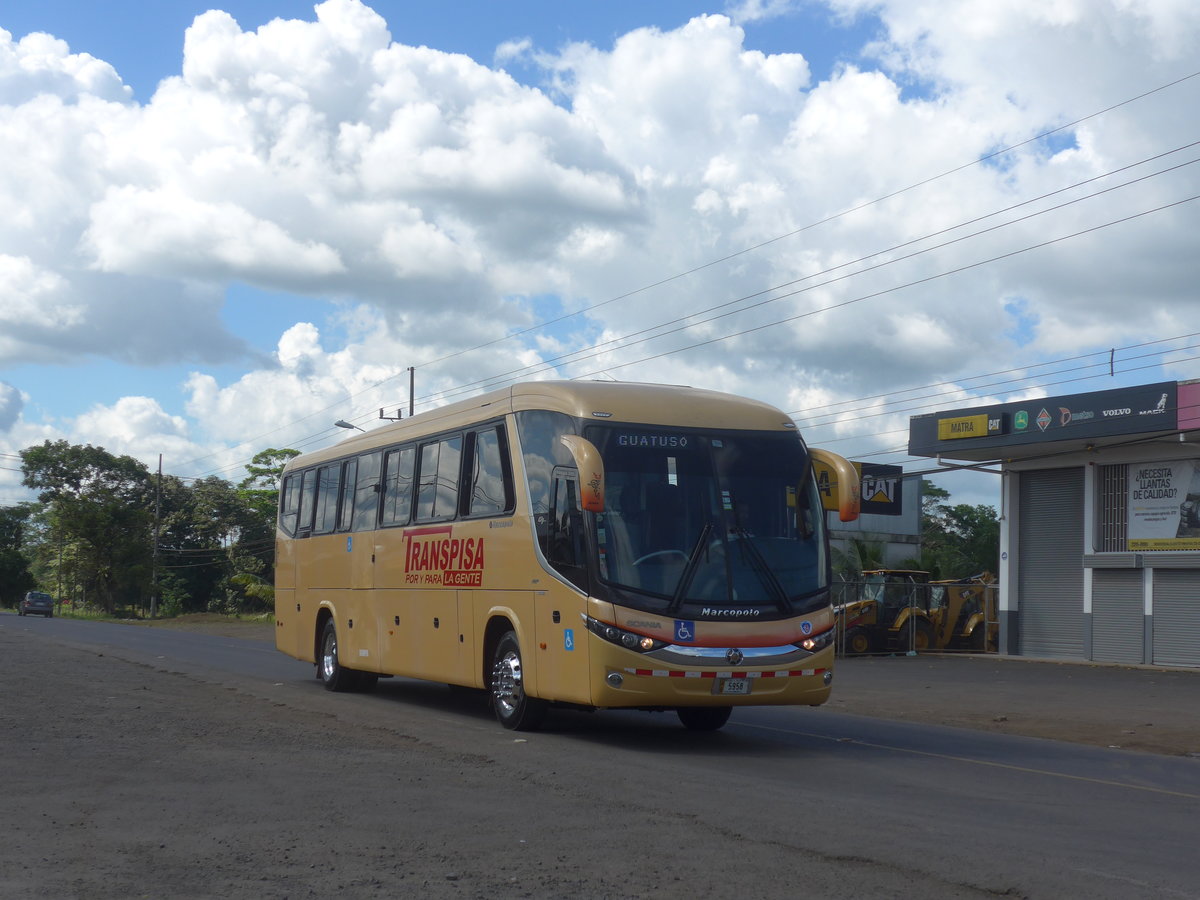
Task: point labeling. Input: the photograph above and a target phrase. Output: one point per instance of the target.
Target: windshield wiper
(763, 570)
(689, 570)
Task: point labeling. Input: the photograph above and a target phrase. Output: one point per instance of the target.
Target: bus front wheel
(514, 708)
(704, 718)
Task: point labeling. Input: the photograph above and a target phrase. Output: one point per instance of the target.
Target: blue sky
(144, 41)
(233, 259)
(147, 52)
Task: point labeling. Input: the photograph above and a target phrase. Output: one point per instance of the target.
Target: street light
(342, 423)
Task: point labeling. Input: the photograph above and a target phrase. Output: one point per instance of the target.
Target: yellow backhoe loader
(900, 610)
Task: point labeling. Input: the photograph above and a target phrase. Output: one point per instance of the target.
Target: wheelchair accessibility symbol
(569, 639)
(685, 631)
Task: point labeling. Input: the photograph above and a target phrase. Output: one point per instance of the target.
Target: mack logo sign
(968, 427)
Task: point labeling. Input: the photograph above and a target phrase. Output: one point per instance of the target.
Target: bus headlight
(638, 643)
(817, 642)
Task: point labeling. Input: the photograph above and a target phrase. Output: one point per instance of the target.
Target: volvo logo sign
(733, 656)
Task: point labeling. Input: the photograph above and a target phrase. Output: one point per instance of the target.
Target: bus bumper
(627, 679)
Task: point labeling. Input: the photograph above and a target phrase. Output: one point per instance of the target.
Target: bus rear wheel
(514, 709)
(704, 718)
(332, 673)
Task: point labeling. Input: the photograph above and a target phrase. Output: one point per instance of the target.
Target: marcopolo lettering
(739, 612)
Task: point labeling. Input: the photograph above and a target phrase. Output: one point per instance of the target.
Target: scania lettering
(583, 545)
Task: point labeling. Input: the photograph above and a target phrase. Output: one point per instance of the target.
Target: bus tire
(703, 718)
(332, 673)
(514, 709)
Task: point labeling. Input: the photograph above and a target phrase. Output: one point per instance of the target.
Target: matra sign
(968, 427)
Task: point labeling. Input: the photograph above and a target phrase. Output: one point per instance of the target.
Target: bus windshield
(722, 524)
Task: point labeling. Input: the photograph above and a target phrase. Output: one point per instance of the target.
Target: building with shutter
(1100, 518)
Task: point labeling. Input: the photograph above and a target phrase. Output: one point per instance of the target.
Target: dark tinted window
(328, 479)
(398, 486)
(308, 501)
(289, 504)
(437, 493)
(490, 489)
(349, 477)
(366, 492)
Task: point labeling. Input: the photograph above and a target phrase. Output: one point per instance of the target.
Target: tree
(15, 577)
(957, 541)
(261, 487)
(210, 536)
(103, 506)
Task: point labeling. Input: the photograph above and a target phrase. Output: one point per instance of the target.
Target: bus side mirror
(845, 483)
(591, 471)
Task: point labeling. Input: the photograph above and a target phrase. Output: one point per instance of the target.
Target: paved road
(892, 808)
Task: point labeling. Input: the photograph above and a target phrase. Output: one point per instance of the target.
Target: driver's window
(563, 541)
(566, 538)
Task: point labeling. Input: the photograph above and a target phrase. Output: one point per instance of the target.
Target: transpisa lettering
(435, 556)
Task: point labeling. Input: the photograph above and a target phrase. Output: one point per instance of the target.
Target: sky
(225, 229)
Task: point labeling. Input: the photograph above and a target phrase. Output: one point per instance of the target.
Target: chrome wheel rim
(506, 683)
(329, 656)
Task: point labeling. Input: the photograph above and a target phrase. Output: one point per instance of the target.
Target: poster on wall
(1164, 506)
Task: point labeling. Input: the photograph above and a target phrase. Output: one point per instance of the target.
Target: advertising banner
(882, 488)
(1164, 506)
(1099, 414)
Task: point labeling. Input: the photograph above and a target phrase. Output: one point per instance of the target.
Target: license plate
(735, 685)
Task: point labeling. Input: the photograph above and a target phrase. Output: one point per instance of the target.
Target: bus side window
(308, 503)
(367, 492)
(289, 504)
(346, 504)
(327, 499)
(437, 484)
(490, 490)
(398, 486)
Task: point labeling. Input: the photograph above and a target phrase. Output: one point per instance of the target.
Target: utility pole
(411, 388)
(154, 557)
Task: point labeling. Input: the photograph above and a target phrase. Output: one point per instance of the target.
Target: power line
(591, 352)
(993, 155)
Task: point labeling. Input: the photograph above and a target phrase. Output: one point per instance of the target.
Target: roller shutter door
(1050, 584)
(1176, 617)
(1118, 616)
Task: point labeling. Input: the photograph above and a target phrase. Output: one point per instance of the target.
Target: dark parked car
(38, 603)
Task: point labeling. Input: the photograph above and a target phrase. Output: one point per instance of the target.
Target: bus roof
(618, 401)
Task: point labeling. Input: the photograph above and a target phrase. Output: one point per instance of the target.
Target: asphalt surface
(210, 765)
(1142, 708)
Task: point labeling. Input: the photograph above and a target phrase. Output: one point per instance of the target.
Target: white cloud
(41, 64)
(11, 403)
(745, 11)
(32, 296)
(438, 205)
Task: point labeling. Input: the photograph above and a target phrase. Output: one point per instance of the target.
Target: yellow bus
(586, 544)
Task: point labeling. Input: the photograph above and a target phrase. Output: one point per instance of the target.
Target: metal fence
(879, 618)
